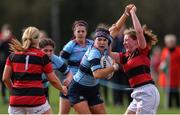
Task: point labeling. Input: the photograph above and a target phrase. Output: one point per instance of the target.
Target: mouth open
(101, 47)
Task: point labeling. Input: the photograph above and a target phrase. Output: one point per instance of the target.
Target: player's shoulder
(95, 50)
(94, 53)
(31, 51)
(71, 42)
(37, 52)
(70, 45)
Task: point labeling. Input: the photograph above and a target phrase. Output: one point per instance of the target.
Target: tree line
(56, 16)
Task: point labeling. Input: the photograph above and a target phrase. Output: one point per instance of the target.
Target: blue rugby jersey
(58, 64)
(89, 63)
(72, 53)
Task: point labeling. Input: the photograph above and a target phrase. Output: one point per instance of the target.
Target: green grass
(54, 101)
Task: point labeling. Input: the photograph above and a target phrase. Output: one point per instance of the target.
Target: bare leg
(98, 109)
(82, 108)
(49, 111)
(64, 106)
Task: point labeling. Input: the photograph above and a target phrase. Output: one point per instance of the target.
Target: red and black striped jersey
(137, 67)
(27, 68)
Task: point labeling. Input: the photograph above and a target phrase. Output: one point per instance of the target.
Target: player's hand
(115, 66)
(133, 9)
(128, 8)
(64, 90)
(66, 82)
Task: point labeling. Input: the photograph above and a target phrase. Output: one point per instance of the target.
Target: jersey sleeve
(60, 64)
(94, 59)
(66, 52)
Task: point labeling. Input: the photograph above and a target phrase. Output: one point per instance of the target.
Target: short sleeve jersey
(27, 69)
(137, 67)
(73, 53)
(90, 63)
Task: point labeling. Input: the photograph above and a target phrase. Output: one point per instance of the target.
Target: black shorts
(63, 96)
(78, 93)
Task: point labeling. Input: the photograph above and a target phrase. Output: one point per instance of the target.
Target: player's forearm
(69, 76)
(102, 73)
(136, 23)
(139, 30)
(54, 80)
(114, 30)
(8, 84)
(115, 56)
(121, 21)
(57, 84)
(7, 77)
(68, 79)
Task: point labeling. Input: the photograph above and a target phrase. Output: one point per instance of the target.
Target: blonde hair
(151, 39)
(28, 37)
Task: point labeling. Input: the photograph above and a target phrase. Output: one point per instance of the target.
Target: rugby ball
(107, 61)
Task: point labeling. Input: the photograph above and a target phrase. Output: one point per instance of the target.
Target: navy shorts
(63, 96)
(78, 93)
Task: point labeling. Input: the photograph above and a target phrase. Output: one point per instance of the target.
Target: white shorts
(145, 100)
(30, 110)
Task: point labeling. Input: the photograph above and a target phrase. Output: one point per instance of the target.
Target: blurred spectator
(155, 62)
(119, 76)
(170, 74)
(5, 37)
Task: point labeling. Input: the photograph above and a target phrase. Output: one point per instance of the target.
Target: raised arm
(138, 28)
(115, 28)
